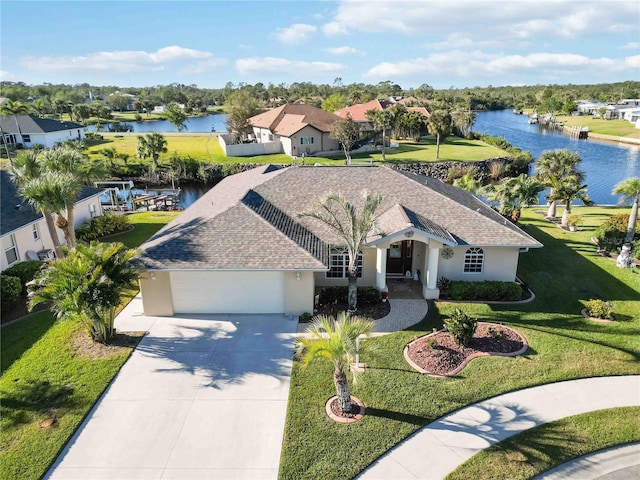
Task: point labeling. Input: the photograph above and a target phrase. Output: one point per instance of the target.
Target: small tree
(151, 146)
(335, 340)
(568, 190)
(351, 227)
(440, 126)
(87, 286)
(347, 132)
(176, 116)
(383, 121)
(629, 189)
(240, 107)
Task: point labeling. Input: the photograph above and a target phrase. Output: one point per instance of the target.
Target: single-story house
(299, 128)
(31, 130)
(359, 111)
(23, 230)
(243, 247)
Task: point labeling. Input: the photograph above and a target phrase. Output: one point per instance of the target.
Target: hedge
(486, 291)
(10, 290)
(366, 295)
(101, 226)
(25, 271)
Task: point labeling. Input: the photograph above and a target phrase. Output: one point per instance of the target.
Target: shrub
(612, 232)
(25, 271)
(443, 284)
(305, 317)
(486, 291)
(366, 295)
(461, 327)
(458, 170)
(100, 226)
(599, 308)
(10, 290)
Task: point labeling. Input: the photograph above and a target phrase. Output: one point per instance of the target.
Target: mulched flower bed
(357, 410)
(374, 311)
(439, 354)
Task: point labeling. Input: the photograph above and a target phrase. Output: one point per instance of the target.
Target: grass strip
(541, 448)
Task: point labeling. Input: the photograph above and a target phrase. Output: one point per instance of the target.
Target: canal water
(216, 122)
(604, 163)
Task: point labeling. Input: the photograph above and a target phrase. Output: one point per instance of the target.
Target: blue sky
(445, 43)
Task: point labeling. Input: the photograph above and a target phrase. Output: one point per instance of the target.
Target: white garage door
(227, 292)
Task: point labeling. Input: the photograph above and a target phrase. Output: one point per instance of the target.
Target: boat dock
(121, 196)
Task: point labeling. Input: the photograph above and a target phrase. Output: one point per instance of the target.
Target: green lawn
(539, 449)
(145, 225)
(207, 149)
(563, 345)
(616, 128)
(43, 376)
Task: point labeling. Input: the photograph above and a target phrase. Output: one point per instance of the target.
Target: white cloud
(344, 51)
(482, 19)
(631, 46)
(204, 66)
(7, 76)
(297, 33)
(479, 64)
(119, 61)
(282, 66)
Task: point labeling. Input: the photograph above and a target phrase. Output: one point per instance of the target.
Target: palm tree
(630, 191)
(467, 182)
(440, 126)
(382, 121)
(27, 175)
(551, 167)
(110, 154)
(351, 227)
(151, 146)
(69, 166)
(87, 286)
(463, 119)
(335, 340)
(567, 190)
(525, 191)
(11, 108)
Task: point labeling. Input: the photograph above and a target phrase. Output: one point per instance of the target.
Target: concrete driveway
(202, 397)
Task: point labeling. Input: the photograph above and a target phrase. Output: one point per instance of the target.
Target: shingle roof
(31, 125)
(252, 220)
(289, 119)
(359, 111)
(16, 212)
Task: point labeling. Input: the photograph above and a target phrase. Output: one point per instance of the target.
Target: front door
(399, 257)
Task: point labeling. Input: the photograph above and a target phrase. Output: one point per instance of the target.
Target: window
(306, 140)
(339, 263)
(11, 252)
(473, 260)
(26, 138)
(36, 232)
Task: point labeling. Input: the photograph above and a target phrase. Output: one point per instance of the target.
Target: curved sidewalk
(619, 463)
(440, 447)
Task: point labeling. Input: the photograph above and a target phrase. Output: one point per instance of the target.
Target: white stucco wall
(368, 278)
(298, 292)
(499, 264)
(321, 142)
(50, 139)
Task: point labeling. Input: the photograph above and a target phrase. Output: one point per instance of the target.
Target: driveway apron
(201, 397)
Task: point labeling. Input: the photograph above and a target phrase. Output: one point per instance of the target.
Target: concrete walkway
(440, 447)
(404, 313)
(202, 396)
(616, 463)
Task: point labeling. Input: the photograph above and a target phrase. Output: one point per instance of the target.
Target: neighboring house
(243, 247)
(359, 111)
(39, 131)
(23, 231)
(299, 128)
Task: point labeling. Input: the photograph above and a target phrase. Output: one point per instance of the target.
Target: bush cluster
(461, 326)
(10, 290)
(25, 272)
(612, 232)
(487, 291)
(599, 308)
(100, 226)
(366, 295)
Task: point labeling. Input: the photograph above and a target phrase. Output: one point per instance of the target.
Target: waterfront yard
(563, 345)
(207, 149)
(615, 128)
